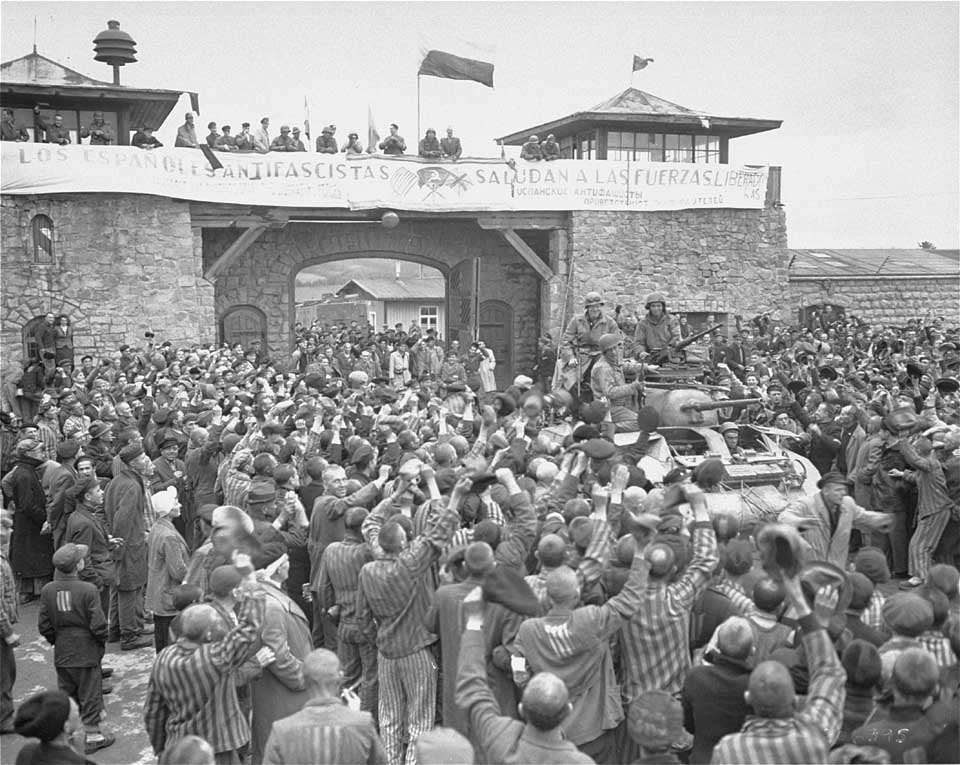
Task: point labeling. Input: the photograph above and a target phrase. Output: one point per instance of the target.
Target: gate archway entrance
(244, 324)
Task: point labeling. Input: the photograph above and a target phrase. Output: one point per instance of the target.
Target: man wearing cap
(85, 527)
(53, 718)
(145, 139)
(326, 143)
(657, 332)
(126, 508)
(550, 149)
(72, 620)
(826, 519)
(58, 478)
(170, 472)
(225, 142)
(609, 385)
(580, 342)
(30, 549)
(283, 142)
(530, 150)
(244, 140)
(296, 142)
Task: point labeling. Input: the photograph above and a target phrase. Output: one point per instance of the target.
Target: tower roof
(40, 70)
(635, 109)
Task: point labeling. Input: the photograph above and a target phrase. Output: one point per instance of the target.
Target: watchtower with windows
(634, 125)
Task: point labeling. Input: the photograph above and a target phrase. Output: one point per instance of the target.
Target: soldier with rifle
(657, 333)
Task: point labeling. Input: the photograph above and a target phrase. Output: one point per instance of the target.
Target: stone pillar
(555, 302)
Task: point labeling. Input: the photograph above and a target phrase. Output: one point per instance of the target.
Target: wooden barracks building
(124, 241)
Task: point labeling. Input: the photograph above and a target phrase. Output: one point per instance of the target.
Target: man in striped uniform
(340, 567)
(776, 732)
(656, 641)
(933, 507)
(192, 690)
(396, 590)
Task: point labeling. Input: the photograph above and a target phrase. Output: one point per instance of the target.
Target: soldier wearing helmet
(579, 346)
(657, 332)
(608, 384)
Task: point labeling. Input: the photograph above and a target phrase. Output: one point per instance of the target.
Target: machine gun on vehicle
(663, 355)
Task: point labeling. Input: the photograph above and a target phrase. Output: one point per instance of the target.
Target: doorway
(247, 325)
(496, 330)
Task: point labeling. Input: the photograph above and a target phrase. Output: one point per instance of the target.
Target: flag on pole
(306, 118)
(373, 135)
(454, 58)
(639, 62)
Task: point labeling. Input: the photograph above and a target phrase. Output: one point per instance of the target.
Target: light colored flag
(456, 59)
(373, 135)
(306, 118)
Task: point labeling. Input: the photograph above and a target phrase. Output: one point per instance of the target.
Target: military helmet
(655, 297)
(608, 341)
(592, 298)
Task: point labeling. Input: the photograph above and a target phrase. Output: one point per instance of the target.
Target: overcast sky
(868, 92)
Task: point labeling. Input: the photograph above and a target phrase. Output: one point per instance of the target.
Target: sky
(868, 92)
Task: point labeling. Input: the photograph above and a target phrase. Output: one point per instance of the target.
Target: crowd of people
(367, 551)
(223, 138)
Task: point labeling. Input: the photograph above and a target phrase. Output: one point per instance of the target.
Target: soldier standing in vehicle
(579, 346)
(657, 332)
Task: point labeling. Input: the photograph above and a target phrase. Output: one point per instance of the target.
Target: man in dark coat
(713, 703)
(169, 471)
(72, 620)
(30, 550)
(85, 527)
(60, 478)
(125, 506)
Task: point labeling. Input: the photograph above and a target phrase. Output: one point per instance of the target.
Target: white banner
(365, 182)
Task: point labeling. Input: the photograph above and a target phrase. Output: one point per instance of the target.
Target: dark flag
(211, 157)
(437, 63)
(641, 63)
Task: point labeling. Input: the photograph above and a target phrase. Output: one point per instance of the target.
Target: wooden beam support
(234, 251)
(524, 251)
(523, 220)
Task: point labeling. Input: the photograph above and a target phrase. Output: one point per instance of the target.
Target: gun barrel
(723, 404)
(696, 336)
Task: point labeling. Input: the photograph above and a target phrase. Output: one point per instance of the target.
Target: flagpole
(418, 107)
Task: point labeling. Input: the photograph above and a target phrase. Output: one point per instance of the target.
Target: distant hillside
(331, 276)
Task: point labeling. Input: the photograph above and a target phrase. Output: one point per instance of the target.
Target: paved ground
(35, 672)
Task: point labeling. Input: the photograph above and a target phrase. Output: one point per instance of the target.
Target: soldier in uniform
(608, 384)
(658, 331)
(99, 132)
(579, 344)
(55, 133)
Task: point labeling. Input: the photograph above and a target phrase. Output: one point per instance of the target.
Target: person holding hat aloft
(72, 620)
(826, 519)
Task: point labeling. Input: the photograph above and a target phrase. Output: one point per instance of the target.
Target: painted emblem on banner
(433, 180)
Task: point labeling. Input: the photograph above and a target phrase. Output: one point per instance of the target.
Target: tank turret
(679, 405)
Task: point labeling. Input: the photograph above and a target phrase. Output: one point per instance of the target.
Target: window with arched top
(42, 239)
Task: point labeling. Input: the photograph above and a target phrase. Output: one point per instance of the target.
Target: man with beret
(72, 620)
(826, 519)
(609, 385)
(573, 643)
(579, 345)
(544, 709)
(778, 730)
(53, 718)
(59, 477)
(129, 516)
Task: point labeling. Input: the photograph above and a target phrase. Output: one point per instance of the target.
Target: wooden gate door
(496, 330)
(461, 303)
(245, 325)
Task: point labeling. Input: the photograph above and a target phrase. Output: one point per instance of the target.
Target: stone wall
(264, 275)
(883, 301)
(122, 264)
(714, 261)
